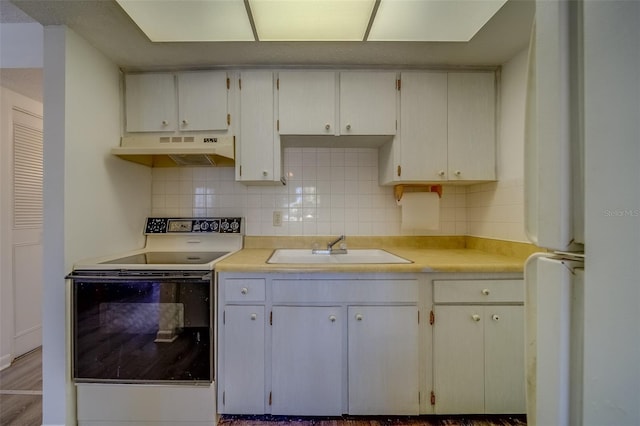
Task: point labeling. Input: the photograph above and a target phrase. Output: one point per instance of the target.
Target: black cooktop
(169, 258)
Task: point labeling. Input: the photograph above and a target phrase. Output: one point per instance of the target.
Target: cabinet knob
(358, 317)
(485, 291)
(254, 317)
(441, 173)
(458, 172)
(185, 122)
(495, 317)
(332, 318)
(165, 123)
(475, 317)
(327, 126)
(348, 126)
(244, 290)
(265, 173)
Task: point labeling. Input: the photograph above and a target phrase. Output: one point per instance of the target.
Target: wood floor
(21, 391)
(21, 405)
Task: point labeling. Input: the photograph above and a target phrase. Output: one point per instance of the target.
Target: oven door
(142, 326)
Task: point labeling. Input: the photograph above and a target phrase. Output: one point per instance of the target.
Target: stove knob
(204, 226)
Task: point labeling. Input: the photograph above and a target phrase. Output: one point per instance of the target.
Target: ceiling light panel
(311, 20)
(190, 20)
(431, 20)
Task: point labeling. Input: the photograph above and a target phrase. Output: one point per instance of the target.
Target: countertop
(429, 254)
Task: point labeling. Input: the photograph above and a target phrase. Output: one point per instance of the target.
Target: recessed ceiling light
(431, 20)
(311, 20)
(190, 20)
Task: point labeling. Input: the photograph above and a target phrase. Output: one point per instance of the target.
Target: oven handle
(111, 278)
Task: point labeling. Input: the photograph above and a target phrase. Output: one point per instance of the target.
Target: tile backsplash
(329, 191)
(496, 210)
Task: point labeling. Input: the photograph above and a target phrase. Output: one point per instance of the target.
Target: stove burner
(168, 258)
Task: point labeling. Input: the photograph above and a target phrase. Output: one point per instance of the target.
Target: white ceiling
(107, 27)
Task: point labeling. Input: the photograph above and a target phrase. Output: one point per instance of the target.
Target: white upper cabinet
(367, 103)
(421, 151)
(150, 102)
(446, 131)
(154, 103)
(337, 103)
(202, 100)
(258, 145)
(471, 126)
(307, 102)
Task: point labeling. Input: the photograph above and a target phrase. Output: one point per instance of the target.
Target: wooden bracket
(399, 190)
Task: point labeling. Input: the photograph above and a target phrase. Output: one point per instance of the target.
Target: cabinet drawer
(244, 290)
(478, 291)
(345, 291)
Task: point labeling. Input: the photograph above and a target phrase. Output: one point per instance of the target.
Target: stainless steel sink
(352, 256)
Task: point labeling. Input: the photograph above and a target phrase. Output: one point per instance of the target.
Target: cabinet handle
(485, 291)
(185, 122)
(441, 173)
(348, 126)
(244, 290)
(327, 126)
(165, 123)
(332, 318)
(358, 317)
(475, 317)
(254, 317)
(458, 172)
(495, 317)
(265, 173)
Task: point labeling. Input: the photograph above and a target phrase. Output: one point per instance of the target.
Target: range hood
(176, 151)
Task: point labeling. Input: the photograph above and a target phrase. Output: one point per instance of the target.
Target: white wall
(8, 100)
(496, 209)
(612, 213)
(89, 196)
(21, 45)
(330, 191)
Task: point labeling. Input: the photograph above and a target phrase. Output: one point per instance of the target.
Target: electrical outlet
(277, 218)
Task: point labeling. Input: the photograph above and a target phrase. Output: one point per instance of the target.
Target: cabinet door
(504, 360)
(367, 103)
(150, 102)
(458, 359)
(242, 381)
(471, 126)
(383, 360)
(307, 102)
(202, 100)
(423, 127)
(306, 366)
(258, 148)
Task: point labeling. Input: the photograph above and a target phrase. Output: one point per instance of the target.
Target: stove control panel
(171, 225)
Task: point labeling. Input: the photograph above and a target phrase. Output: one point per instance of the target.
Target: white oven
(147, 316)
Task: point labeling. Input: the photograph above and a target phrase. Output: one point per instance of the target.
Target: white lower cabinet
(319, 344)
(306, 360)
(478, 347)
(383, 360)
(243, 330)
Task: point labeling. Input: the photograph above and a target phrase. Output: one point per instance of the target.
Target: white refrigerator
(567, 197)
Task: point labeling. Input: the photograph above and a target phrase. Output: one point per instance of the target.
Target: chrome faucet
(330, 249)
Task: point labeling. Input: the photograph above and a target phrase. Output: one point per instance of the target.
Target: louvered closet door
(26, 227)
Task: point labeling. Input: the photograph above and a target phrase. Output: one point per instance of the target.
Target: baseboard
(5, 361)
(28, 340)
